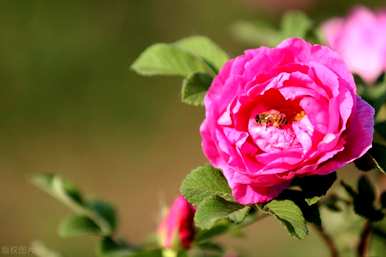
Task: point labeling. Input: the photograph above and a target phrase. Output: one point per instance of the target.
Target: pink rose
(177, 228)
(273, 114)
(361, 40)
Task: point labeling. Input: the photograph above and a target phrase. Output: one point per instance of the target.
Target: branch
(364, 243)
(327, 239)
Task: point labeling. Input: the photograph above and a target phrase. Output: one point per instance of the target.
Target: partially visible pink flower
(177, 228)
(273, 114)
(361, 40)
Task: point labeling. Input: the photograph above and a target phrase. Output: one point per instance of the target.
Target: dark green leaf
(348, 189)
(166, 59)
(365, 163)
(366, 189)
(314, 187)
(194, 88)
(204, 182)
(380, 127)
(383, 199)
(214, 209)
(104, 210)
(288, 213)
(76, 225)
(378, 152)
(110, 248)
(205, 48)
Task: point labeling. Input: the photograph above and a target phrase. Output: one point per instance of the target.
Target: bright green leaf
(166, 59)
(214, 209)
(76, 225)
(194, 88)
(290, 215)
(204, 48)
(295, 24)
(255, 34)
(203, 182)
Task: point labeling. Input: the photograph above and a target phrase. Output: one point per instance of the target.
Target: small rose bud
(176, 230)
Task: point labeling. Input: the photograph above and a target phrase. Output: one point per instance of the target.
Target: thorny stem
(364, 243)
(327, 239)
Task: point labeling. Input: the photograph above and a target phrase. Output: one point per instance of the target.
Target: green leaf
(194, 88)
(204, 48)
(366, 162)
(295, 24)
(203, 182)
(380, 127)
(40, 250)
(101, 214)
(255, 34)
(76, 225)
(383, 199)
(104, 210)
(364, 200)
(366, 189)
(287, 212)
(375, 95)
(314, 187)
(110, 248)
(166, 59)
(214, 209)
(378, 152)
(206, 234)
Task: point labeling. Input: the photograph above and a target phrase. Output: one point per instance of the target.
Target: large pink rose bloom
(177, 228)
(273, 114)
(361, 40)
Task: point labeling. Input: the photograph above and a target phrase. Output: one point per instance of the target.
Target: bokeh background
(69, 104)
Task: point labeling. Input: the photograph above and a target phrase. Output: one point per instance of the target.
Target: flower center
(276, 119)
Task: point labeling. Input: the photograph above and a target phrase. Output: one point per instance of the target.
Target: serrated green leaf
(214, 209)
(203, 182)
(295, 24)
(204, 48)
(194, 88)
(255, 33)
(378, 152)
(287, 212)
(166, 59)
(76, 225)
(65, 192)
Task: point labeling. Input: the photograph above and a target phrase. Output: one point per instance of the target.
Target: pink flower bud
(177, 228)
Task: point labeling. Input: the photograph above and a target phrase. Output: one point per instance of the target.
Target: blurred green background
(69, 104)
